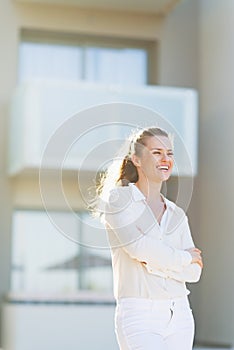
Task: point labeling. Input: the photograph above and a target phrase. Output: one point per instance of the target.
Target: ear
(136, 160)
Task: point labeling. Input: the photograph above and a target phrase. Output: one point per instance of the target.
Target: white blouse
(149, 260)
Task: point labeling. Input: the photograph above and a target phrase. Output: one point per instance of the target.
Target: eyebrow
(160, 149)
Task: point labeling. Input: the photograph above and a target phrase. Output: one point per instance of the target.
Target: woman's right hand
(196, 256)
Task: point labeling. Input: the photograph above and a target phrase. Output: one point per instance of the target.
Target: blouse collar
(138, 196)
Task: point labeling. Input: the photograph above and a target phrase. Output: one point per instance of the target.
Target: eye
(156, 152)
(170, 154)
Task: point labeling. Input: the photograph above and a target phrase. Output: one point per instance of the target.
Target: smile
(163, 167)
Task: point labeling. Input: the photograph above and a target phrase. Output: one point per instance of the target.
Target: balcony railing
(80, 126)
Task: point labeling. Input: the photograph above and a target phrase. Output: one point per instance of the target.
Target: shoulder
(119, 196)
(177, 211)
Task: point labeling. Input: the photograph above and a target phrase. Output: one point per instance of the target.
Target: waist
(170, 302)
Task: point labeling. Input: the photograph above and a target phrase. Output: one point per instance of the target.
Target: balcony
(80, 126)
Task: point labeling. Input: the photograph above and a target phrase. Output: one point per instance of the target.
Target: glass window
(45, 261)
(46, 61)
(115, 64)
(118, 66)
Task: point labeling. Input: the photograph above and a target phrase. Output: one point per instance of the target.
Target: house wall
(195, 50)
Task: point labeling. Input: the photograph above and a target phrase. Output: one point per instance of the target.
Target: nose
(165, 156)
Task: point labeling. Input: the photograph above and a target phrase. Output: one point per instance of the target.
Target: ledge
(81, 298)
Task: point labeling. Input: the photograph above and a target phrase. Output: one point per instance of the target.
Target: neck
(151, 190)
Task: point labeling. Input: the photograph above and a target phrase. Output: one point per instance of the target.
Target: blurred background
(58, 57)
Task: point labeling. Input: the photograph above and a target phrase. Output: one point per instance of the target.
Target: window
(45, 261)
(115, 61)
(49, 61)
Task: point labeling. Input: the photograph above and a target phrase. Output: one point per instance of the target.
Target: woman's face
(156, 159)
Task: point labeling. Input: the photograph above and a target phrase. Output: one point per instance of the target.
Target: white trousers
(149, 324)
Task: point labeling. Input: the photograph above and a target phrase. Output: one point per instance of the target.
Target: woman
(153, 254)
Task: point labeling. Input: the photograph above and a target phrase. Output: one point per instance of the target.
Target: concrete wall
(179, 66)
(195, 51)
(14, 17)
(58, 326)
(216, 187)
(179, 48)
(8, 45)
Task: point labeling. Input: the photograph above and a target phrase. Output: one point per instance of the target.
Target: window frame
(84, 40)
(80, 277)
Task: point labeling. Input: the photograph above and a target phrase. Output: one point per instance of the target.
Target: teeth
(163, 167)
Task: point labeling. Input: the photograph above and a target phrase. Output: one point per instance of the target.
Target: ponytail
(127, 173)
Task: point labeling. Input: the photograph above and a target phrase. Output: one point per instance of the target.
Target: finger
(200, 263)
(198, 250)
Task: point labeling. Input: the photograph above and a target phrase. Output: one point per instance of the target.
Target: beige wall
(179, 66)
(189, 56)
(216, 321)
(197, 50)
(13, 17)
(72, 20)
(179, 49)
(8, 44)
(206, 62)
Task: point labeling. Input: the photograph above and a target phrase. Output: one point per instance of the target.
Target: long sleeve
(192, 272)
(131, 231)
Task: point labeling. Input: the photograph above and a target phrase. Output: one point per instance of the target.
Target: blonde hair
(122, 171)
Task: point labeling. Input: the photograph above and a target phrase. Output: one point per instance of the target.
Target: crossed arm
(183, 264)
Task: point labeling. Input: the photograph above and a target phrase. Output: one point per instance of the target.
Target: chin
(166, 177)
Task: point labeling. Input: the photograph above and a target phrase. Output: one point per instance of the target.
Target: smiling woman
(153, 254)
